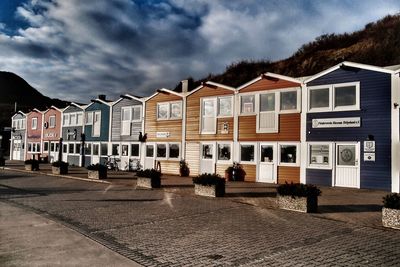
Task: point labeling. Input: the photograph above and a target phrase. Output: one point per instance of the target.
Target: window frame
(140, 113)
(130, 150)
(87, 121)
(179, 102)
(158, 108)
(52, 117)
(255, 105)
(218, 106)
(319, 166)
(34, 126)
(295, 164)
(298, 100)
(254, 144)
(217, 152)
(168, 150)
(215, 103)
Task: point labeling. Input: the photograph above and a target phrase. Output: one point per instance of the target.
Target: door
(17, 150)
(124, 156)
(65, 152)
(207, 158)
(149, 157)
(347, 167)
(267, 167)
(53, 151)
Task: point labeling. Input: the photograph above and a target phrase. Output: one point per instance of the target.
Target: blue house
(97, 130)
(351, 123)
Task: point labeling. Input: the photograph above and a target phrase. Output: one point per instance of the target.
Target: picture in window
(267, 102)
(162, 112)
(267, 153)
(161, 150)
(247, 153)
(289, 100)
(224, 152)
(345, 96)
(207, 151)
(175, 110)
(288, 153)
(319, 154)
(174, 151)
(124, 150)
(135, 150)
(319, 98)
(247, 104)
(225, 106)
(149, 150)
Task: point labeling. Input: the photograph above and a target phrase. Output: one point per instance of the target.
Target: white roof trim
(270, 74)
(18, 112)
(134, 97)
(249, 83)
(164, 90)
(76, 105)
(349, 64)
(103, 102)
(213, 84)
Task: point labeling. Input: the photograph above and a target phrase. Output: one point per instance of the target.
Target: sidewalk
(357, 206)
(28, 239)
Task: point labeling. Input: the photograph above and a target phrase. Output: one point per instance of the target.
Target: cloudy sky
(74, 49)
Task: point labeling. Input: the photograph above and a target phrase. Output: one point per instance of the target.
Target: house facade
(269, 128)
(18, 136)
(127, 127)
(72, 134)
(34, 126)
(51, 133)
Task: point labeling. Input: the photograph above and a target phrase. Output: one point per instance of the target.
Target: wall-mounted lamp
(370, 137)
(395, 105)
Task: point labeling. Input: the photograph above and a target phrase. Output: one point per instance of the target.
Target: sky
(75, 50)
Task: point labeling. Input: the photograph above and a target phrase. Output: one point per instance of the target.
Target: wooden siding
(71, 109)
(221, 169)
(169, 167)
(136, 127)
(289, 129)
(375, 114)
(251, 172)
(288, 174)
(105, 122)
(193, 116)
(193, 157)
(34, 135)
(152, 126)
(319, 177)
(266, 84)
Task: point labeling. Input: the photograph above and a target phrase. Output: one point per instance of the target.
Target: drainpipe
(235, 127)
(185, 84)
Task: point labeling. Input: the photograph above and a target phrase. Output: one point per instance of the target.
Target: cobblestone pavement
(160, 228)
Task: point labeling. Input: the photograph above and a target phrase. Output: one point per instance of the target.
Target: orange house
(164, 130)
(51, 133)
(210, 128)
(269, 124)
(34, 134)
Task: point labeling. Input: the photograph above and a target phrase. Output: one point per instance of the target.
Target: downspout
(235, 126)
(184, 95)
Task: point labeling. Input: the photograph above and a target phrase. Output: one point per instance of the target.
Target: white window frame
(140, 113)
(129, 120)
(179, 146)
(316, 165)
(298, 98)
(158, 107)
(93, 133)
(156, 151)
(50, 118)
(218, 106)
(72, 115)
(220, 160)
(87, 121)
(215, 113)
(130, 150)
(332, 88)
(254, 144)
(297, 163)
(170, 110)
(276, 112)
(79, 123)
(34, 125)
(255, 107)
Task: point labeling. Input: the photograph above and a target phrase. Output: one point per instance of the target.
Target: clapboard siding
(251, 172)
(105, 122)
(268, 84)
(52, 134)
(289, 129)
(193, 158)
(152, 126)
(319, 177)
(193, 116)
(136, 127)
(220, 170)
(375, 114)
(71, 129)
(288, 174)
(169, 167)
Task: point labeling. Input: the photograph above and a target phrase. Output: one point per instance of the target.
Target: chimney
(185, 85)
(102, 97)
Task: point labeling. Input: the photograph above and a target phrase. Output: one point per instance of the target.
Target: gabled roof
(163, 90)
(272, 75)
(213, 84)
(18, 112)
(53, 107)
(349, 64)
(128, 96)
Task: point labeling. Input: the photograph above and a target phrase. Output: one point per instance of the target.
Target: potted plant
(209, 185)
(391, 211)
(298, 197)
(149, 178)
(97, 171)
(235, 172)
(183, 168)
(59, 167)
(31, 165)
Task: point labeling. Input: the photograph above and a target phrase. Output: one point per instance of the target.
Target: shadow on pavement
(349, 208)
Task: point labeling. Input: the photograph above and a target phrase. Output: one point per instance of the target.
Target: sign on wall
(162, 134)
(337, 122)
(369, 156)
(369, 146)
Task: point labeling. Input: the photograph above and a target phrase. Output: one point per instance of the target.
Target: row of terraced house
(339, 127)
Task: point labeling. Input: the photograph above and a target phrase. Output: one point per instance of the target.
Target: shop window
(224, 152)
(288, 154)
(161, 150)
(149, 151)
(104, 149)
(247, 104)
(71, 148)
(135, 150)
(124, 150)
(319, 155)
(225, 106)
(246, 153)
(95, 149)
(115, 150)
(174, 151)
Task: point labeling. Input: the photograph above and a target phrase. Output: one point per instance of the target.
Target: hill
(377, 44)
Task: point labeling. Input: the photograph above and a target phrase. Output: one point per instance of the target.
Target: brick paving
(172, 227)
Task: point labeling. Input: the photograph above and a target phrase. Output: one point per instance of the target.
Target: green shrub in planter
(391, 211)
(298, 190)
(183, 168)
(298, 197)
(208, 184)
(31, 165)
(97, 171)
(149, 178)
(60, 167)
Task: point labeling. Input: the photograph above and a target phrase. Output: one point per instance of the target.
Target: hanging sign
(337, 122)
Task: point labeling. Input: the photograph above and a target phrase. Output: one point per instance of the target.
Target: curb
(59, 176)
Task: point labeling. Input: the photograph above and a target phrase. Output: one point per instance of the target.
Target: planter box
(59, 170)
(97, 174)
(145, 182)
(209, 190)
(391, 218)
(302, 204)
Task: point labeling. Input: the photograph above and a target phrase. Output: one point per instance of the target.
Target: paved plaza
(172, 227)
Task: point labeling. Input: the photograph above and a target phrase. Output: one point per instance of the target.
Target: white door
(347, 170)
(149, 157)
(53, 151)
(124, 152)
(17, 150)
(95, 153)
(267, 167)
(65, 152)
(96, 123)
(207, 158)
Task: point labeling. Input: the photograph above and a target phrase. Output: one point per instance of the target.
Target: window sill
(248, 162)
(315, 167)
(267, 131)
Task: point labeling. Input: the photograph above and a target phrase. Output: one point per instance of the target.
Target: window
(52, 121)
(78, 148)
(65, 148)
(288, 154)
(267, 153)
(71, 148)
(104, 149)
(37, 147)
(126, 121)
(161, 150)
(137, 113)
(135, 150)
(174, 151)
(319, 155)
(208, 116)
(89, 118)
(115, 149)
(207, 152)
(319, 98)
(57, 147)
(345, 96)
(267, 102)
(149, 151)
(162, 111)
(224, 152)
(65, 119)
(124, 150)
(246, 153)
(52, 147)
(267, 117)
(88, 148)
(72, 119)
(46, 146)
(34, 123)
(225, 106)
(176, 112)
(79, 119)
(288, 100)
(95, 149)
(169, 110)
(247, 104)
(96, 123)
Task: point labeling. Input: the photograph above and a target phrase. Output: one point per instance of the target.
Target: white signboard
(369, 156)
(337, 122)
(369, 146)
(162, 134)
